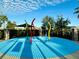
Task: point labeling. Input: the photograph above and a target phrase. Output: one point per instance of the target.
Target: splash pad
(40, 47)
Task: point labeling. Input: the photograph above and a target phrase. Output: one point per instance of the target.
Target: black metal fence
(1, 34)
(78, 35)
(23, 33)
(67, 34)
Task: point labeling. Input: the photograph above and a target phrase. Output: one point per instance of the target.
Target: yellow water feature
(49, 29)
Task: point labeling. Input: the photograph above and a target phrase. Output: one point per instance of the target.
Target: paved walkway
(1, 40)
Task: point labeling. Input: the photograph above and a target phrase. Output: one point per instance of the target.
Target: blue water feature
(40, 47)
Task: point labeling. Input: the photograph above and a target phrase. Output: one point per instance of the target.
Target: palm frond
(77, 8)
(76, 12)
(78, 16)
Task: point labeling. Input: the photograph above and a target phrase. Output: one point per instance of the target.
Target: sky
(21, 10)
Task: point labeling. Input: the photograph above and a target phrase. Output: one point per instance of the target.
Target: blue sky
(65, 8)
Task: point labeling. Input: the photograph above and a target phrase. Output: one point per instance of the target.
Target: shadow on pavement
(26, 52)
(53, 50)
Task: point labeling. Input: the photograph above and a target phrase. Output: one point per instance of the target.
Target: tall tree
(11, 25)
(3, 18)
(45, 25)
(61, 23)
(0, 23)
(46, 20)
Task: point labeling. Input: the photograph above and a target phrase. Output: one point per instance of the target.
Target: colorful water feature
(18, 48)
(31, 32)
(49, 30)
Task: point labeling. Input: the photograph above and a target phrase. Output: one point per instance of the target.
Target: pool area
(41, 47)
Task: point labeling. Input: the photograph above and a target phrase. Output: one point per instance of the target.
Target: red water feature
(31, 32)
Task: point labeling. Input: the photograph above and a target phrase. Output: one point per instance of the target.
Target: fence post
(75, 34)
(6, 34)
(40, 31)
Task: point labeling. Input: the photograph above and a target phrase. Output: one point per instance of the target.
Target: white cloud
(27, 5)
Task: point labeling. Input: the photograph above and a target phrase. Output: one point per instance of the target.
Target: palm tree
(45, 24)
(61, 23)
(0, 23)
(46, 20)
(3, 18)
(11, 25)
(77, 11)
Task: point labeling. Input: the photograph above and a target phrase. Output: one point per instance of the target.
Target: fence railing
(22, 33)
(1, 34)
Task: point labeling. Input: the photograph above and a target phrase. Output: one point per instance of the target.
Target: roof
(24, 25)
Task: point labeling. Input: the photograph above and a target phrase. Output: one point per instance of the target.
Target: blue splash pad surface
(41, 47)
